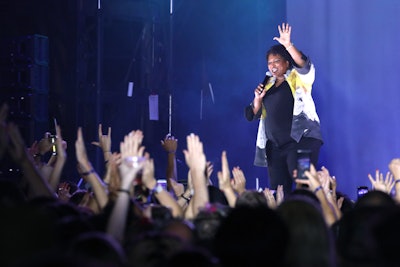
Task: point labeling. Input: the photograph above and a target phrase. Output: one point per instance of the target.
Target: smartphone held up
(303, 163)
(362, 190)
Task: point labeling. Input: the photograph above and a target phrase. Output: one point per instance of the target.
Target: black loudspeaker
(24, 83)
(24, 86)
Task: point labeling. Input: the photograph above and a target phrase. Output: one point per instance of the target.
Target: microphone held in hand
(264, 83)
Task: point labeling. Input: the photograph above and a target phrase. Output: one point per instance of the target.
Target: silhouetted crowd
(125, 217)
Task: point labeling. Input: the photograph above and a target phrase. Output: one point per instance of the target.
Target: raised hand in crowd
(170, 145)
(239, 180)
(163, 196)
(280, 195)
(63, 191)
(89, 174)
(385, 185)
(196, 161)
(209, 171)
(224, 181)
(394, 167)
(132, 163)
(49, 143)
(34, 152)
(177, 188)
(269, 196)
(59, 160)
(38, 186)
(315, 186)
(183, 195)
(111, 177)
(12, 142)
(329, 185)
(274, 201)
(104, 142)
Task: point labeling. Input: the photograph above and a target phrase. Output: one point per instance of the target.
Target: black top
(279, 102)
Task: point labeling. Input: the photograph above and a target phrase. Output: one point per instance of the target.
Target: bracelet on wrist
(124, 191)
(157, 189)
(290, 46)
(87, 173)
(317, 189)
(185, 198)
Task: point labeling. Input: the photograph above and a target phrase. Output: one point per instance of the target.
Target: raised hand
(87, 172)
(312, 179)
(194, 155)
(280, 195)
(324, 178)
(59, 160)
(45, 144)
(224, 176)
(177, 188)
(104, 139)
(225, 182)
(148, 178)
(131, 163)
(60, 145)
(80, 149)
(112, 169)
(104, 142)
(386, 185)
(170, 143)
(209, 171)
(284, 34)
(132, 158)
(63, 192)
(196, 161)
(37, 184)
(269, 196)
(239, 180)
(394, 167)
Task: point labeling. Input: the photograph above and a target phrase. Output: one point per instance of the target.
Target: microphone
(265, 81)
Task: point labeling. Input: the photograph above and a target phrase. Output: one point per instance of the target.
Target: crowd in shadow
(125, 217)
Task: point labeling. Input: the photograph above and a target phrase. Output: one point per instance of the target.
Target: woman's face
(277, 65)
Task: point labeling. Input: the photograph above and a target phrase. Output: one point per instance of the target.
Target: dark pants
(282, 161)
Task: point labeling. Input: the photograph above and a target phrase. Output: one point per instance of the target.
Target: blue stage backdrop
(354, 45)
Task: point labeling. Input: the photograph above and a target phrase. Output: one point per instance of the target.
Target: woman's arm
(284, 39)
(88, 173)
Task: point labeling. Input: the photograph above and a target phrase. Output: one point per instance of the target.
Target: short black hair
(281, 50)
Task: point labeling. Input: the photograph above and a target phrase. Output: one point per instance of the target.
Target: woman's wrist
(187, 194)
(88, 172)
(317, 189)
(156, 189)
(151, 185)
(185, 197)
